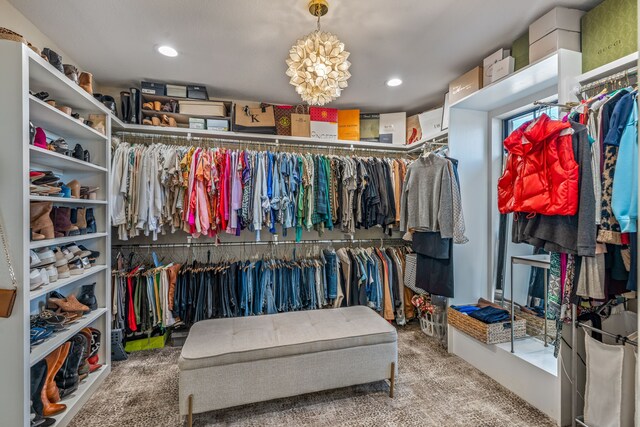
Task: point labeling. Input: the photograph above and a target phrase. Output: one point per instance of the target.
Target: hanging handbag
(301, 122)
(255, 120)
(7, 296)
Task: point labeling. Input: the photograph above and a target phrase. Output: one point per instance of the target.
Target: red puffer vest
(541, 175)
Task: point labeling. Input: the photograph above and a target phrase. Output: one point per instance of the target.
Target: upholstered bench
(231, 362)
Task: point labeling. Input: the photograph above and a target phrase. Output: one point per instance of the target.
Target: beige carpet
(433, 389)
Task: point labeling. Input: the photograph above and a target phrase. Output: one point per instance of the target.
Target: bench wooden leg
(392, 379)
(190, 415)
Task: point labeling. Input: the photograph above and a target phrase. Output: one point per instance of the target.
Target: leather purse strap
(5, 247)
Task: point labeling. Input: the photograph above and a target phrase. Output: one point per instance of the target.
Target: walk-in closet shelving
(23, 71)
(622, 71)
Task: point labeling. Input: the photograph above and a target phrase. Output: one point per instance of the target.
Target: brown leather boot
(53, 394)
(62, 222)
(86, 82)
(40, 221)
(81, 220)
(50, 408)
(69, 304)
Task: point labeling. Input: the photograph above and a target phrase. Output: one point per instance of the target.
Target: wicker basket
(494, 333)
(7, 34)
(535, 325)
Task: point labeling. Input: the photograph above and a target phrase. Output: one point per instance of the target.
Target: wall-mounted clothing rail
(260, 141)
(623, 75)
(428, 145)
(618, 338)
(189, 244)
(567, 106)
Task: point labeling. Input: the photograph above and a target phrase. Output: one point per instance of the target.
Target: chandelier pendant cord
(318, 14)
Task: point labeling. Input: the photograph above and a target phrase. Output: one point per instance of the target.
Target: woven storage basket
(535, 324)
(7, 34)
(487, 333)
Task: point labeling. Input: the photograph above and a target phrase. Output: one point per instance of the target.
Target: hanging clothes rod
(196, 140)
(567, 106)
(440, 142)
(620, 338)
(188, 244)
(605, 80)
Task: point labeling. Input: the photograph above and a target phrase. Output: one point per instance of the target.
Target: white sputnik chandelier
(318, 64)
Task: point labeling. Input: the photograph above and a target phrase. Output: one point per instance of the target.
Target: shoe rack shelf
(53, 120)
(66, 200)
(41, 351)
(85, 389)
(60, 241)
(22, 71)
(58, 161)
(61, 283)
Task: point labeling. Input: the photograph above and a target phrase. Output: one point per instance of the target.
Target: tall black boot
(125, 105)
(67, 376)
(38, 376)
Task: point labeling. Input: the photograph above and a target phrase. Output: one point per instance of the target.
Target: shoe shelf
(41, 351)
(181, 119)
(60, 283)
(51, 119)
(59, 161)
(65, 240)
(66, 200)
(85, 389)
(44, 77)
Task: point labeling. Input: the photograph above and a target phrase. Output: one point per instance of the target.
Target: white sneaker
(46, 256)
(35, 279)
(52, 272)
(45, 276)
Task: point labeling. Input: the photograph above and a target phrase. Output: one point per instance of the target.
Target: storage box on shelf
(194, 108)
(23, 71)
(494, 333)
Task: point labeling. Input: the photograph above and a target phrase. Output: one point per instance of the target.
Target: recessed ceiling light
(168, 51)
(394, 82)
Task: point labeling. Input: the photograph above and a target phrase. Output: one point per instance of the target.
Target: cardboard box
(197, 92)
(393, 128)
(558, 18)
(503, 68)
(370, 127)
(414, 131)
(465, 85)
(177, 90)
(195, 123)
(558, 39)
(324, 123)
(217, 124)
(609, 32)
(203, 108)
(431, 122)
(520, 51)
(488, 63)
(349, 125)
(153, 88)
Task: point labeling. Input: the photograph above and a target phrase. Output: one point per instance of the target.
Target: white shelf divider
(66, 240)
(66, 200)
(59, 161)
(61, 283)
(41, 351)
(50, 118)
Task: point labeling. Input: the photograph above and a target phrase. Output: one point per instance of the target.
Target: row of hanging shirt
(172, 294)
(206, 191)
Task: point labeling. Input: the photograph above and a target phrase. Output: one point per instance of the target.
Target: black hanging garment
(434, 265)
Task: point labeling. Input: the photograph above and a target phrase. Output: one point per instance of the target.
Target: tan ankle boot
(81, 220)
(40, 221)
(86, 82)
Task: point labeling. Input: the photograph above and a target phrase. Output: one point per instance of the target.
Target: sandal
(38, 335)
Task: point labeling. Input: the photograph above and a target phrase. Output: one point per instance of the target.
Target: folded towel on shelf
(490, 314)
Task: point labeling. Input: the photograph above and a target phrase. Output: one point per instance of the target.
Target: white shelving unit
(23, 71)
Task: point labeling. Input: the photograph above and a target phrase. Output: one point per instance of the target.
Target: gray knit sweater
(427, 201)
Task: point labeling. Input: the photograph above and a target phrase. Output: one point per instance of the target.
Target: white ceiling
(238, 47)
